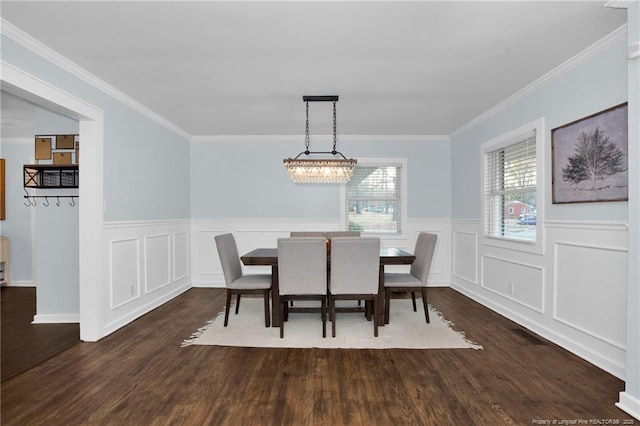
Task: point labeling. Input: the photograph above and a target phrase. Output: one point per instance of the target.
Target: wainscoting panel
(572, 293)
(125, 272)
(250, 234)
(465, 257)
(517, 281)
(148, 265)
(157, 264)
(180, 255)
(587, 296)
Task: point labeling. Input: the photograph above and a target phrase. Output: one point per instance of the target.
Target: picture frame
(64, 141)
(590, 158)
(42, 148)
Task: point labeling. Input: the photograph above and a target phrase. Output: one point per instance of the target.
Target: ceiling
(241, 68)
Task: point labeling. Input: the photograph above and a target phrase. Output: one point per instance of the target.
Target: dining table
(269, 257)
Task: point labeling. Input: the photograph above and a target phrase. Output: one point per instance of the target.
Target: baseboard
(56, 318)
(20, 284)
(629, 404)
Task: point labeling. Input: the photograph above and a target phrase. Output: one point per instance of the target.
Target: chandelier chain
(335, 138)
(307, 139)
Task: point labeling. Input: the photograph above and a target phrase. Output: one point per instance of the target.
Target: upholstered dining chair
(236, 282)
(355, 268)
(416, 279)
(307, 234)
(302, 274)
(332, 234)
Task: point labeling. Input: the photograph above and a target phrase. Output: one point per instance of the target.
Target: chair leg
(267, 316)
(387, 303)
(226, 311)
(413, 299)
(323, 308)
(375, 323)
(237, 303)
(281, 308)
(332, 304)
(425, 304)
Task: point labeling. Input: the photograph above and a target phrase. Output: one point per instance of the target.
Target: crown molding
(14, 33)
(591, 52)
(618, 4)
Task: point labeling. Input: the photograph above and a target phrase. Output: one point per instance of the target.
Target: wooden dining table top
(269, 256)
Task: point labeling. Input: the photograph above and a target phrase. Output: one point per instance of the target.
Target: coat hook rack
(31, 200)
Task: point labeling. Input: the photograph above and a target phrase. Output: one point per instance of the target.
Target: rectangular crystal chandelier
(336, 169)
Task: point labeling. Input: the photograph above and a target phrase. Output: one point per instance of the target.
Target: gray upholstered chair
(416, 279)
(355, 268)
(307, 234)
(235, 281)
(302, 274)
(332, 234)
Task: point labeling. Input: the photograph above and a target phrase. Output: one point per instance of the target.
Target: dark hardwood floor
(23, 344)
(140, 375)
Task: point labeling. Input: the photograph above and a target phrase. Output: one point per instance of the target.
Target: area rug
(406, 329)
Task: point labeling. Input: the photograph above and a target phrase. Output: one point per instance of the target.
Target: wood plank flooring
(141, 375)
(25, 345)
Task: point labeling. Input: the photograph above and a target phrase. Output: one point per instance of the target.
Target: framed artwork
(43, 148)
(590, 158)
(64, 142)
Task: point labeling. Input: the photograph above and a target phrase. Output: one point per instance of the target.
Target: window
(511, 185)
(373, 200)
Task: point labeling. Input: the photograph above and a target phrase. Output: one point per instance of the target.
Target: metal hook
(26, 197)
(33, 202)
(58, 202)
(46, 202)
(73, 201)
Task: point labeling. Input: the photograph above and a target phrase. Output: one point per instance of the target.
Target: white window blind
(510, 190)
(373, 199)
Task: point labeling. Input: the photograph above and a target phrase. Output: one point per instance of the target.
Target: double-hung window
(373, 198)
(511, 185)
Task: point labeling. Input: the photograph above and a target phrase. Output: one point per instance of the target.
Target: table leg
(275, 297)
(380, 302)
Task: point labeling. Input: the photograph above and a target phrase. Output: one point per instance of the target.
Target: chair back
(229, 258)
(307, 234)
(302, 266)
(333, 234)
(425, 246)
(355, 265)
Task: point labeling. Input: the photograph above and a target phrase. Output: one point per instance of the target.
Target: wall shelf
(51, 176)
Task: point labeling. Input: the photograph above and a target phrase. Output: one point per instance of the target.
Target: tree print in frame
(590, 158)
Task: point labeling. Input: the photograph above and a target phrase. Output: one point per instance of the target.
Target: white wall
(574, 292)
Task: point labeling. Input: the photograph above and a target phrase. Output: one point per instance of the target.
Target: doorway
(91, 132)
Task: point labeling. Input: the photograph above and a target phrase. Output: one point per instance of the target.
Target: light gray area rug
(406, 329)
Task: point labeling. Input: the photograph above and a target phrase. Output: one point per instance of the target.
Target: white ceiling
(241, 68)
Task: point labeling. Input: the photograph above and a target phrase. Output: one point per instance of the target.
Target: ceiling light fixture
(321, 170)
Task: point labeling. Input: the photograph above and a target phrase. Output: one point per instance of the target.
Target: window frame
(505, 140)
(384, 162)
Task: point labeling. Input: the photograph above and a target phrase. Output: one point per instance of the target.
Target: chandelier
(336, 169)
